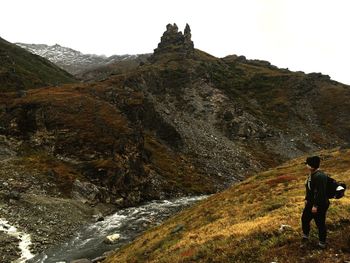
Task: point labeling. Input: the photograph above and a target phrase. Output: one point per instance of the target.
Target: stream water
(128, 223)
(24, 240)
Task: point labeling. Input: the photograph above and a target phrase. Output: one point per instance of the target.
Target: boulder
(98, 217)
(112, 239)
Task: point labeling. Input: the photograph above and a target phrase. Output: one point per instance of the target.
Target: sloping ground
(33, 197)
(71, 153)
(20, 70)
(94, 133)
(257, 220)
(293, 100)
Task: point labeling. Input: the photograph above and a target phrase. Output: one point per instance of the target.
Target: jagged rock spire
(187, 32)
(187, 35)
(173, 41)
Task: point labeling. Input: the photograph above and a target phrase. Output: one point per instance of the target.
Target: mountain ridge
(73, 61)
(20, 70)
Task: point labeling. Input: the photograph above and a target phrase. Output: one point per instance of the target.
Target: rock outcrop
(174, 42)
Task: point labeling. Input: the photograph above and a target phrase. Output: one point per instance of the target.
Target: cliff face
(83, 129)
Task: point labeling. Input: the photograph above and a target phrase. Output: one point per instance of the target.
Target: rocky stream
(94, 241)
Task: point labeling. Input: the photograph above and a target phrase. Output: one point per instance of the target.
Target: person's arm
(320, 197)
(308, 193)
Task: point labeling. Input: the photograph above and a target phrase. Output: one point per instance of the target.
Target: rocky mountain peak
(174, 41)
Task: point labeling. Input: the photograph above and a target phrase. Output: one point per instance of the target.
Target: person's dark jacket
(316, 186)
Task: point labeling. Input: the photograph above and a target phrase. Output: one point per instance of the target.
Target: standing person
(316, 202)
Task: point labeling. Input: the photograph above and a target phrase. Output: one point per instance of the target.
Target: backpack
(335, 189)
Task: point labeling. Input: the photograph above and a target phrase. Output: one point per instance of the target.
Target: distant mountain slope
(115, 68)
(74, 61)
(19, 69)
(255, 221)
(231, 116)
(234, 115)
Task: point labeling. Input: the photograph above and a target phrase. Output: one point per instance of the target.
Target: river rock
(119, 201)
(14, 195)
(101, 218)
(82, 260)
(112, 239)
(108, 253)
(99, 259)
(98, 217)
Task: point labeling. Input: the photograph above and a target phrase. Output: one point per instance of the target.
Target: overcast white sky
(306, 35)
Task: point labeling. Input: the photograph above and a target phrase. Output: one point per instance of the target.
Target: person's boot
(322, 245)
(304, 241)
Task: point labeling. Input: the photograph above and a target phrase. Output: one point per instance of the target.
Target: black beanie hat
(313, 161)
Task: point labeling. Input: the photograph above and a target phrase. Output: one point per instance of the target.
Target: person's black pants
(320, 220)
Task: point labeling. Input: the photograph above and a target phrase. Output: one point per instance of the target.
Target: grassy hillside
(257, 220)
(20, 69)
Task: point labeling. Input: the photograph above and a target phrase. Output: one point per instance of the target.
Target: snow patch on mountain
(71, 60)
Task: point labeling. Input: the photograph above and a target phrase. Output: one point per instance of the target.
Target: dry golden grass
(242, 224)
